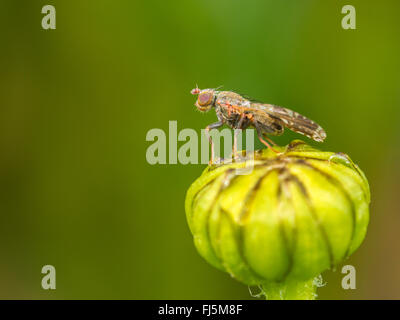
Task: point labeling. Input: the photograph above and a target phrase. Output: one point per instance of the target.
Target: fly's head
(205, 100)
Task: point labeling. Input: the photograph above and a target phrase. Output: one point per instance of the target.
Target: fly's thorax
(230, 97)
(230, 107)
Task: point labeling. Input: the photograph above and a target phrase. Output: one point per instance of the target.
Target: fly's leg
(235, 133)
(208, 128)
(261, 138)
(269, 140)
(234, 147)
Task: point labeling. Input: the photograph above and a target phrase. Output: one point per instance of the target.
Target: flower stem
(290, 290)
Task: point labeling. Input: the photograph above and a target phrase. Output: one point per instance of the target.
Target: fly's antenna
(195, 90)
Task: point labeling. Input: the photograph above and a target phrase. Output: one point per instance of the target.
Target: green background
(76, 103)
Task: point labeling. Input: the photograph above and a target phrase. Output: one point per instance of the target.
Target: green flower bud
(295, 215)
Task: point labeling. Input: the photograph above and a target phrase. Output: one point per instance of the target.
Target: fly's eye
(205, 98)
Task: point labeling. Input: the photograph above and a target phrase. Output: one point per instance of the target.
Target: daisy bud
(295, 215)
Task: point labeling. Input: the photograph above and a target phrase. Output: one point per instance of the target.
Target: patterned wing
(294, 121)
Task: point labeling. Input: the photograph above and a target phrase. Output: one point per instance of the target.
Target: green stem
(290, 290)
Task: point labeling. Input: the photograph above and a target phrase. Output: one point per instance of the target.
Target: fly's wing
(265, 122)
(294, 121)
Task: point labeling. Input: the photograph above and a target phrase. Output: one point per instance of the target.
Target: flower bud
(295, 215)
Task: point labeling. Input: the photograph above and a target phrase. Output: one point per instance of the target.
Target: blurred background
(76, 103)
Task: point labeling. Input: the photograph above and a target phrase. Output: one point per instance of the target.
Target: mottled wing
(265, 122)
(294, 121)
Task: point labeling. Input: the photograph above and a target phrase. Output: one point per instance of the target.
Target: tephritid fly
(239, 113)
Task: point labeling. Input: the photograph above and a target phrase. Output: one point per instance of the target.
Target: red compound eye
(205, 98)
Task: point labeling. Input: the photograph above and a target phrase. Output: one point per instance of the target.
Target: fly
(238, 112)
